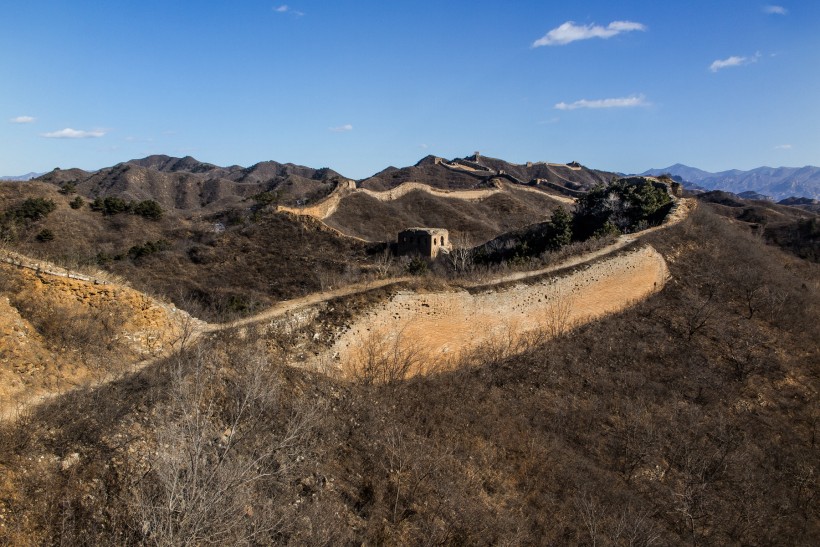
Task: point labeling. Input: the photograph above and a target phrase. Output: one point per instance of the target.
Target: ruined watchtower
(427, 242)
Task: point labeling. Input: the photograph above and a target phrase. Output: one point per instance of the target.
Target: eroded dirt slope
(57, 333)
(445, 325)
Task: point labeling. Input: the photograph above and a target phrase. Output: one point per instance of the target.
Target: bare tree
(386, 359)
(557, 316)
(592, 514)
(212, 451)
(383, 263)
(462, 255)
(705, 308)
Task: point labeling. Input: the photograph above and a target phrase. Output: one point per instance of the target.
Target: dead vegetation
(635, 429)
(374, 220)
(217, 266)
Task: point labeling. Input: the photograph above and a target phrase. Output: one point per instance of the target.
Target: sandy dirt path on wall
(330, 204)
(445, 325)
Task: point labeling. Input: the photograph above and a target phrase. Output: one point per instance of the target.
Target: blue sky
(358, 86)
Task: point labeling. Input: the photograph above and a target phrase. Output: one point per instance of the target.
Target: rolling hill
(687, 418)
(226, 245)
(190, 185)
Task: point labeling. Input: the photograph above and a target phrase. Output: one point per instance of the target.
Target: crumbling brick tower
(426, 242)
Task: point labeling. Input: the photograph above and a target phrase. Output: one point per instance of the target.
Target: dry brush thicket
(689, 418)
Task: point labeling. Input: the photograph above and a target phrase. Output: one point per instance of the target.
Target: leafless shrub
(705, 307)
(744, 350)
(385, 360)
(557, 316)
(213, 453)
(462, 255)
(383, 264)
(614, 525)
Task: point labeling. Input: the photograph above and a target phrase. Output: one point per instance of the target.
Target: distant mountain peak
(170, 164)
(777, 182)
(27, 176)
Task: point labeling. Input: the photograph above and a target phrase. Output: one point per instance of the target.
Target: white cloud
(783, 147)
(570, 32)
(775, 10)
(618, 102)
(284, 8)
(69, 133)
(734, 60)
(342, 128)
(423, 146)
(23, 119)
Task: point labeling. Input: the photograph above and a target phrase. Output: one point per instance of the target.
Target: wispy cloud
(783, 147)
(342, 128)
(570, 32)
(734, 60)
(617, 102)
(775, 10)
(284, 8)
(23, 119)
(69, 133)
(423, 146)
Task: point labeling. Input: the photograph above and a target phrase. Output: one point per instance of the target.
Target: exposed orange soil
(449, 324)
(34, 365)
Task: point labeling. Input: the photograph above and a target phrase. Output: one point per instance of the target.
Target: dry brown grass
(363, 216)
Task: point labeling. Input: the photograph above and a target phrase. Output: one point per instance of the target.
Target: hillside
(806, 204)
(471, 220)
(779, 183)
(228, 262)
(641, 371)
(476, 171)
(219, 245)
(189, 185)
(794, 229)
(62, 333)
(686, 418)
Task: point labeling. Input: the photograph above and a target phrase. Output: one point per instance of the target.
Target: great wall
(327, 206)
(501, 182)
(441, 324)
(445, 325)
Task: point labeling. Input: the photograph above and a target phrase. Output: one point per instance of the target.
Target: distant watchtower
(427, 242)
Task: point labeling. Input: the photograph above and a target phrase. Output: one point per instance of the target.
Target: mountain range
(189, 184)
(776, 182)
(27, 176)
